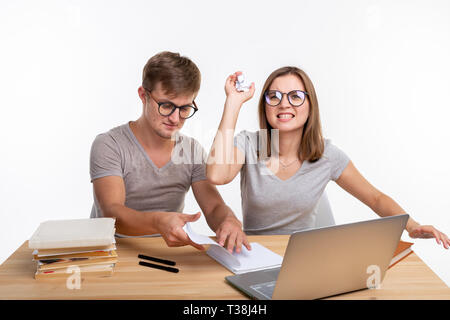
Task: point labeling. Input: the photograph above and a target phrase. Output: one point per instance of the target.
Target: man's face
(163, 126)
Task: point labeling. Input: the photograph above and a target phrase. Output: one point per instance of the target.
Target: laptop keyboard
(266, 288)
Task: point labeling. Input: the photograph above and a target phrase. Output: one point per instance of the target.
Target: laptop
(328, 261)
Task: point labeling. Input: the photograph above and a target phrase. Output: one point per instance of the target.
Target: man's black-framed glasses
(166, 108)
(295, 97)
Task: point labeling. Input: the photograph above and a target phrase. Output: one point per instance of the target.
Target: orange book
(91, 254)
(60, 251)
(403, 250)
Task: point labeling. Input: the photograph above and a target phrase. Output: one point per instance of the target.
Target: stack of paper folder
(62, 247)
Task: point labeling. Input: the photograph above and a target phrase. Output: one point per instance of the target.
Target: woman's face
(286, 117)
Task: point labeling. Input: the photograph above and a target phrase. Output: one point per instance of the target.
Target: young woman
(286, 165)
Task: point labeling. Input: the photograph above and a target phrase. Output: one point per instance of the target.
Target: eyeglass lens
(295, 97)
(167, 109)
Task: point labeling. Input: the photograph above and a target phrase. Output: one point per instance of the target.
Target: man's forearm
(131, 222)
(219, 214)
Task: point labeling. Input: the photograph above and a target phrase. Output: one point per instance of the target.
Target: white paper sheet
(258, 258)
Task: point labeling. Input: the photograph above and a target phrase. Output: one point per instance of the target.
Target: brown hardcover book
(64, 263)
(403, 250)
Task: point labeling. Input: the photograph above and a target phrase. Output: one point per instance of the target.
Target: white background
(70, 70)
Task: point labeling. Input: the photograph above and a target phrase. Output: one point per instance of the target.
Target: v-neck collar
(150, 161)
(275, 177)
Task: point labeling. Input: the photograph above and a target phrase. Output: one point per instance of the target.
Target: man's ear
(142, 94)
(195, 96)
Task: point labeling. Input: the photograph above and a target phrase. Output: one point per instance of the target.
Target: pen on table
(157, 266)
(168, 262)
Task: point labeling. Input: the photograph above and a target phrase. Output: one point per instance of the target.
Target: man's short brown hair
(178, 75)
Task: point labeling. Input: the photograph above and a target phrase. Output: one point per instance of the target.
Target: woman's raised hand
(233, 95)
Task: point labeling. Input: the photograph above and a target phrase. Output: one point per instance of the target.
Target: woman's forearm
(385, 206)
(222, 155)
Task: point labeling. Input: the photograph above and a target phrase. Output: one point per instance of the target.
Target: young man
(133, 169)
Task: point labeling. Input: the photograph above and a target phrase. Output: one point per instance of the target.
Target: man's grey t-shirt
(273, 206)
(148, 188)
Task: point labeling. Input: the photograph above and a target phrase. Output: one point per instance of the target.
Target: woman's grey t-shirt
(273, 206)
(148, 188)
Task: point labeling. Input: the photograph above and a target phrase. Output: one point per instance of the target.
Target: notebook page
(197, 238)
(259, 257)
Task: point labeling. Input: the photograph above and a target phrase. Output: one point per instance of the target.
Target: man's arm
(219, 216)
(110, 194)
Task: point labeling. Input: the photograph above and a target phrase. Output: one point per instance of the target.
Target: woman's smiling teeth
(285, 115)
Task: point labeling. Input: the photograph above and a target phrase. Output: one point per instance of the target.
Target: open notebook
(258, 258)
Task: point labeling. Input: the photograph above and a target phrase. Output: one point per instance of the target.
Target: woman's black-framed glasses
(295, 97)
(167, 108)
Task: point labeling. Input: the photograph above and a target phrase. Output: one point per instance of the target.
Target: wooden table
(200, 277)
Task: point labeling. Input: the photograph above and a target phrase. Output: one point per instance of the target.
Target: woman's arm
(354, 183)
(225, 160)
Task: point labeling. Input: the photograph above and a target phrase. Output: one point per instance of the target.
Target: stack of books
(62, 247)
